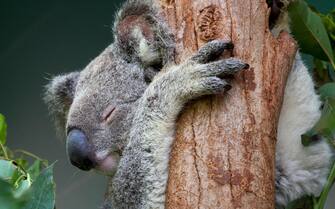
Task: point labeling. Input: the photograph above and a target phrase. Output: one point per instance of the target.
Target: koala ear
(58, 96)
(141, 34)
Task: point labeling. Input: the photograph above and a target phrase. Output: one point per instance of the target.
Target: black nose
(79, 150)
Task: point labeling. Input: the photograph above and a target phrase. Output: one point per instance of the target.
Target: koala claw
(214, 85)
(211, 50)
(210, 78)
(216, 72)
(199, 75)
(223, 68)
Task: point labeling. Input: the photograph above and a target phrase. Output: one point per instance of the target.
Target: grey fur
(59, 95)
(162, 44)
(152, 111)
(137, 75)
(141, 177)
(141, 128)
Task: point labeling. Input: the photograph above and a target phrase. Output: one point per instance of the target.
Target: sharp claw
(211, 50)
(220, 45)
(229, 45)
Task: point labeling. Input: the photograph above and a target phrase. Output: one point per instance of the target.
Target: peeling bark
(224, 152)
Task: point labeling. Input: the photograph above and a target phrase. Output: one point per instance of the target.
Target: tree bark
(224, 152)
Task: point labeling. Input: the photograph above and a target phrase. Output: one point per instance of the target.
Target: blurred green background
(39, 39)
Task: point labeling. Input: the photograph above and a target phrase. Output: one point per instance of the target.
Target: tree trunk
(224, 152)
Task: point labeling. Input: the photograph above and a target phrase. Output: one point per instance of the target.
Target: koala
(300, 171)
(119, 113)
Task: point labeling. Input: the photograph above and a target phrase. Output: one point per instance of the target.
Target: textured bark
(224, 152)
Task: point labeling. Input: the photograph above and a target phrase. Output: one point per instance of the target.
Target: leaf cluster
(24, 185)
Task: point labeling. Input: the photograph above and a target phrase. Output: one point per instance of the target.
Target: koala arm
(299, 170)
(140, 181)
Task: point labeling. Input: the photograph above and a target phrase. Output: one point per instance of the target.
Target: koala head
(94, 108)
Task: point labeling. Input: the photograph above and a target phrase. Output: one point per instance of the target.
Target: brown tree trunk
(224, 153)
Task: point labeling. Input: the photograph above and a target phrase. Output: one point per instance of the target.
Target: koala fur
(126, 101)
(300, 171)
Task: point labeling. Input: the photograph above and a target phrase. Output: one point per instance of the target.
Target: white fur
(158, 172)
(304, 169)
(300, 170)
(146, 53)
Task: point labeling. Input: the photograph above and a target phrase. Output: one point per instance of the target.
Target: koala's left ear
(141, 34)
(58, 96)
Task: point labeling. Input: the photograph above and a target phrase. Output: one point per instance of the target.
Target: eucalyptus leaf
(331, 73)
(22, 162)
(10, 173)
(320, 64)
(42, 191)
(320, 201)
(7, 197)
(325, 127)
(327, 91)
(309, 31)
(22, 187)
(7, 170)
(303, 202)
(35, 169)
(329, 22)
(3, 129)
(320, 71)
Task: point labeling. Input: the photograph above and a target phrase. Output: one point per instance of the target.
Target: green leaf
(42, 191)
(22, 187)
(3, 130)
(309, 31)
(23, 163)
(325, 127)
(331, 72)
(320, 201)
(7, 170)
(320, 64)
(35, 169)
(327, 91)
(329, 22)
(303, 202)
(309, 137)
(8, 200)
(13, 175)
(320, 71)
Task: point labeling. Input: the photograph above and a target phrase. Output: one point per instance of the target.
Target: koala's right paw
(211, 51)
(201, 76)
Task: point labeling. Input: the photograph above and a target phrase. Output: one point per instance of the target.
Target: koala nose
(79, 150)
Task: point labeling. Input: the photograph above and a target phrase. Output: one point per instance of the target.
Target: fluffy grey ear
(141, 34)
(58, 96)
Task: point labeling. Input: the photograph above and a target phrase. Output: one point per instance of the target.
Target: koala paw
(211, 51)
(200, 75)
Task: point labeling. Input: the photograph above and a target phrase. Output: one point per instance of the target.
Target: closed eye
(107, 114)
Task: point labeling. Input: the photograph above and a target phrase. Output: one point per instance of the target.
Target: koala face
(95, 109)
